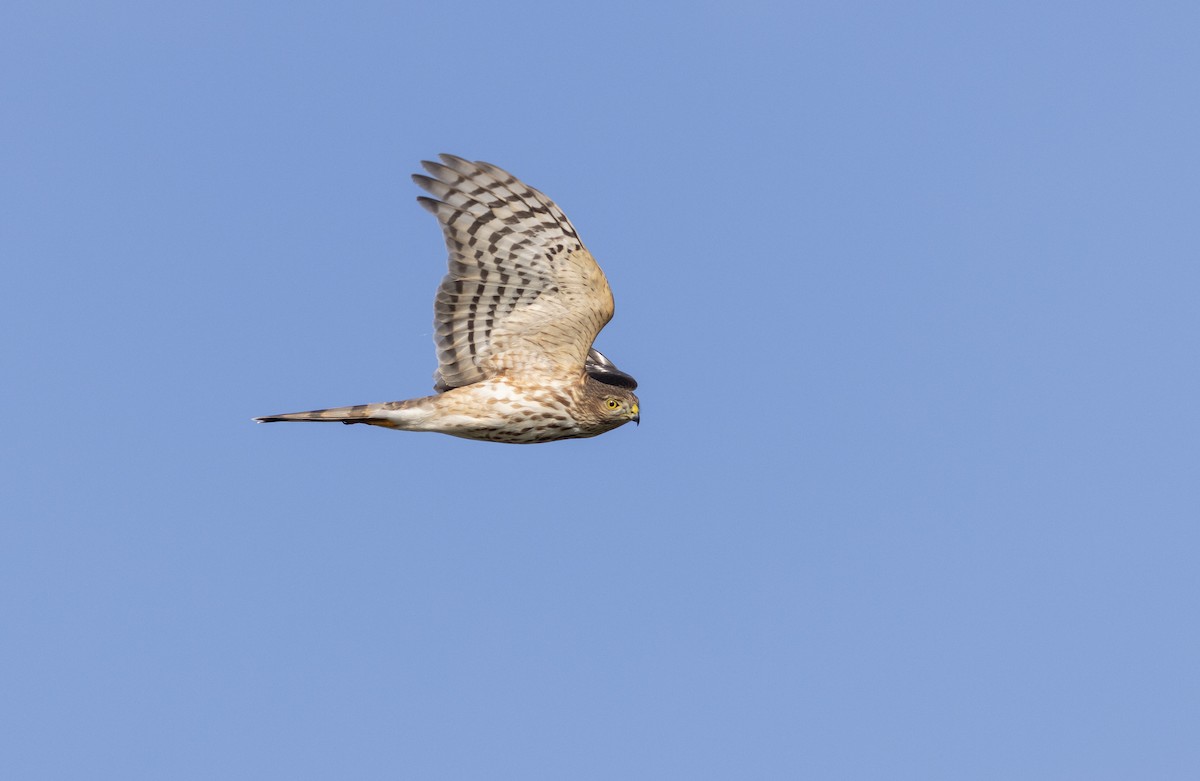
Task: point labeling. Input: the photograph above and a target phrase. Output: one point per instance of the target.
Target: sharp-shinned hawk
(515, 319)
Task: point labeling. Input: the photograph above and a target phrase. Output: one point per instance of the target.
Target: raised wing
(522, 294)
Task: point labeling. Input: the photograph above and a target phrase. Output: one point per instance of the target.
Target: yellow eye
(612, 403)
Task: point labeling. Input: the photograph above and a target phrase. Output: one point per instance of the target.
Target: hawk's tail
(371, 414)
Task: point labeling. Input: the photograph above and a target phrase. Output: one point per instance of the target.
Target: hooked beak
(637, 417)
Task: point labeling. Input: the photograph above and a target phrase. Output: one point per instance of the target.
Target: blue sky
(911, 292)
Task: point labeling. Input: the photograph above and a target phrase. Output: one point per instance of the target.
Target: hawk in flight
(515, 319)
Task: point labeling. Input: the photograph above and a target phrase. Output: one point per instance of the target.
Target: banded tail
(371, 414)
